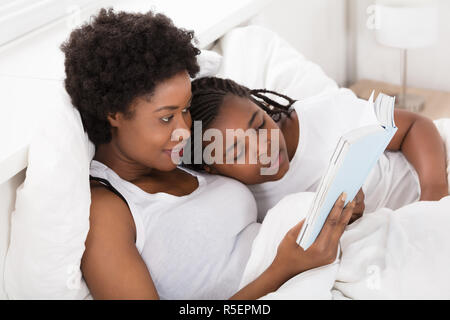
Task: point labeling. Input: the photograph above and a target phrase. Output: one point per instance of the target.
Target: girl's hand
(291, 259)
(359, 206)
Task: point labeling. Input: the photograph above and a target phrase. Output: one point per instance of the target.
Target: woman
(157, 230)
(308, 132)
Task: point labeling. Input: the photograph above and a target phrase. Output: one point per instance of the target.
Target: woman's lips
(169, 152)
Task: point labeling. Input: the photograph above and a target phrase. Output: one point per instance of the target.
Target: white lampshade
(407, 24)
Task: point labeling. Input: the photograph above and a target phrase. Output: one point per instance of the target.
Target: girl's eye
(262, 125)
(241, 151)
(167, 119)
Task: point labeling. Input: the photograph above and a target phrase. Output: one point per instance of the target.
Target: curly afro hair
(117, 57)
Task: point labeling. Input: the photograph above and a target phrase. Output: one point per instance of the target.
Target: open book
(355, 155)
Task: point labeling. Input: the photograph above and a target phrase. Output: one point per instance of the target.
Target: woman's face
(159, 125)
(249, 158)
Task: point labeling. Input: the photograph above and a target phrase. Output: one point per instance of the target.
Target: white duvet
(387, 254)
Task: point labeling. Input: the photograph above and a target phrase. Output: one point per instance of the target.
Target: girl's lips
(281, 159)
(278, 161)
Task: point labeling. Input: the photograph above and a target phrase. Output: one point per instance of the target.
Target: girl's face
(151, 135)
(249, 160)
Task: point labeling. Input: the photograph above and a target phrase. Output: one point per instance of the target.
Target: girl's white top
(323, 119)
(195, 246)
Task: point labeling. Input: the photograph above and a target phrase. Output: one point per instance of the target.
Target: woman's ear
(114, 119)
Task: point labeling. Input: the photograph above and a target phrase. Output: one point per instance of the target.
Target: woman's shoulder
(103, 197)
(109, 211)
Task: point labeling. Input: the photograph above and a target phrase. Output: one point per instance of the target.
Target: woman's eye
(186, 109)
(167, 119)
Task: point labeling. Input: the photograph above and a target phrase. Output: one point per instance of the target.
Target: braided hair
(208, 94)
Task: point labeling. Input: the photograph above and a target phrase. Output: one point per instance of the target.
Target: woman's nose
(182, 131)
(185, 122)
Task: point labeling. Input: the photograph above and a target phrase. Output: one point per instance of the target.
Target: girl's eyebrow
(249, 125)
(253, 118)
(230, 148)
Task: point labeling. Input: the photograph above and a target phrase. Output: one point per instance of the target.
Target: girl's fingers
(343, 222)
(295, 230)
(332, 220)
(355, 216)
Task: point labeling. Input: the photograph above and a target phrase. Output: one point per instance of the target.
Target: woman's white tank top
(195, 246)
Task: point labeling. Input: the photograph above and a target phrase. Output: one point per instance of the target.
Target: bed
(32, 68)
(42, 149)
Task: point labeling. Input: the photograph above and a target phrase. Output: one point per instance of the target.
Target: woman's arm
(419, 140)
(113, 268)
(291, 259)
(111, 265)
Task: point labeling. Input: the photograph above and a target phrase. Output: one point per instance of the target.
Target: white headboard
(7, 201)
(36, 57)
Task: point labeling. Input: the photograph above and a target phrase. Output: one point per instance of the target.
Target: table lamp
(407, 24)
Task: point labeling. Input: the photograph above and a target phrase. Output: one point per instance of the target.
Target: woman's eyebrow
(172, 107)
(166, 108)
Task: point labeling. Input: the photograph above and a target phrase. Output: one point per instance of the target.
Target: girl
(158, 230)
(413, 168)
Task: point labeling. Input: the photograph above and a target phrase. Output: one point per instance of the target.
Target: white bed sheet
(387, 254)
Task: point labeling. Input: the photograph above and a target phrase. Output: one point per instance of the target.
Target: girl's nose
(264, 143)
(269, 146)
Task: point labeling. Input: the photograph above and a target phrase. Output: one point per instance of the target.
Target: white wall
(336, 37)
(427, 67)
(316, 28)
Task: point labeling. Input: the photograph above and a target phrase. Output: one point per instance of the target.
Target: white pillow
(209, 62)
(51, 220)
(259, 58)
